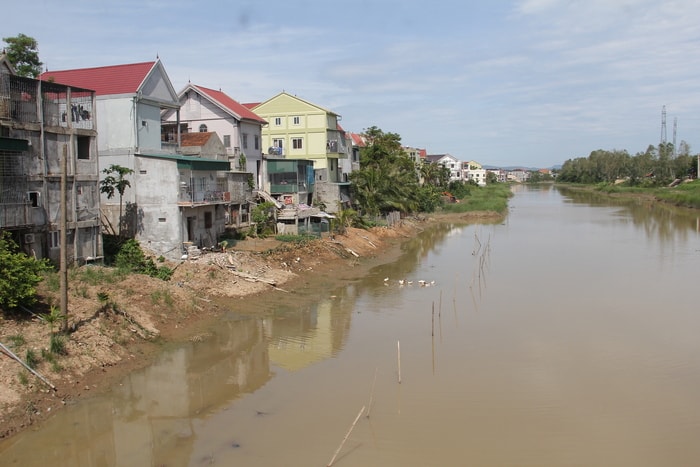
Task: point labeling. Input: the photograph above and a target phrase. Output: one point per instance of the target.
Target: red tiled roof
(251, 105)
(106, 80)
(357, 139)
(232, 105)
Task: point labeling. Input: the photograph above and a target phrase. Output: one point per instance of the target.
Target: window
(257, 142)
(278, 121)
(202, 128)
(297, 143)
(244, 140)
(227, 141)
(33, 197)
(208, 220)
(83, 147)
(277, 143)
(54, 239)
(296, 120)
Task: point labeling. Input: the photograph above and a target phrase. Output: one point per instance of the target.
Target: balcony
(201, 197)
(336, 147)
(60, 105)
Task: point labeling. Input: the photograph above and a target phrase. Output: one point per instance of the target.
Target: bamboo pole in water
(371, 394)
(346, 436)
(398, 348)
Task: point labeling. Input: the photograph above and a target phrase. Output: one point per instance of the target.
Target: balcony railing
(19, 97)
(335, 147)
(204, 197)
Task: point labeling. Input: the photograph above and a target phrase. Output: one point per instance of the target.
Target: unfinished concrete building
(48, 165)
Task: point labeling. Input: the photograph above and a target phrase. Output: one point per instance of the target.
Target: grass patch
(31, 359)
(164, 296)
(301, 239)
(492, 197)
(685, 194)
(17, 340)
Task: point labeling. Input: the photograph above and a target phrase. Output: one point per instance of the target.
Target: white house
(448, 161)
(174, 200)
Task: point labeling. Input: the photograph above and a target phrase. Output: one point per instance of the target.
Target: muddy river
(568, 334)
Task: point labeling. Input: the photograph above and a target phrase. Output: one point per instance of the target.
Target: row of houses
(197, 159)
(470, 171)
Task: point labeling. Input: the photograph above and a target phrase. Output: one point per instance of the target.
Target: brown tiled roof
(195, 139)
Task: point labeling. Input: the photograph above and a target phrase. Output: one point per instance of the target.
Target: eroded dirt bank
(145, 314)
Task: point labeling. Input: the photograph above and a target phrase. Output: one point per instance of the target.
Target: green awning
(192, 162)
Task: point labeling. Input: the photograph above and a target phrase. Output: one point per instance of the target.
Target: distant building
(448, 161)
(474, 172)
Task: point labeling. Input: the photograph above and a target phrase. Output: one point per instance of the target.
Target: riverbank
(685, 194)
(120, 323)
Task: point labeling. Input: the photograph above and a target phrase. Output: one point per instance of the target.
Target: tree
(22, 53)
(387, 179)
(19, 274)
(116, 181)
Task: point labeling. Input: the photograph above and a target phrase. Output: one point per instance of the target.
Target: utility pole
(63, 226)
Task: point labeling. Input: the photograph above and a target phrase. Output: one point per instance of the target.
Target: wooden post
(63, 226)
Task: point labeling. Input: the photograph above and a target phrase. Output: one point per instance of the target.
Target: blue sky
(508, 83)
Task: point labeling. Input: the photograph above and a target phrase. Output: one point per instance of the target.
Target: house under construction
(49, 180)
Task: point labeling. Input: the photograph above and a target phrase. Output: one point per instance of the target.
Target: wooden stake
(398, 347)
(433, 328)
(346, 436)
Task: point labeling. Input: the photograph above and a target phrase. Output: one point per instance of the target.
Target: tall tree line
(654, 167)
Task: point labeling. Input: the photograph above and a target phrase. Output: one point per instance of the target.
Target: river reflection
(563, 335)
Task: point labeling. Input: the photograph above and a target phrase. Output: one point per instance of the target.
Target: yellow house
(298, 129)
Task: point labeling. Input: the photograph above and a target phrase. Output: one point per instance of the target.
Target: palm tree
(116, 181)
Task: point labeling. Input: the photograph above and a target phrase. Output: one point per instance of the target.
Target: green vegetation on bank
(389, 180)
(685, 194)
(493, 198)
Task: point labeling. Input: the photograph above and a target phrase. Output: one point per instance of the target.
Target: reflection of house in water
(308, 337)
(150, 419)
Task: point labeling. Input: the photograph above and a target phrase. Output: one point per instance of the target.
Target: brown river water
(567, 335)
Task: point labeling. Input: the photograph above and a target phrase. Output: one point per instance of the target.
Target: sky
(528, 83)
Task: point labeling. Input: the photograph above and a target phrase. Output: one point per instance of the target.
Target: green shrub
(19, 274)
(132, 259)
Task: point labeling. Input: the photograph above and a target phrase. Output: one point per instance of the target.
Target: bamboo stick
(9, 352)
(398, 347)
(346, 436)
(371, 394)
